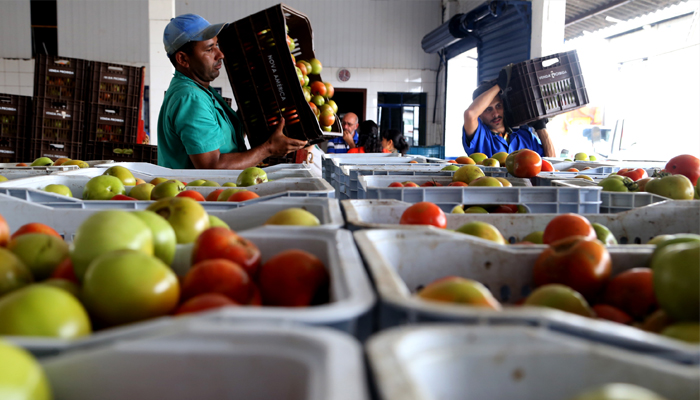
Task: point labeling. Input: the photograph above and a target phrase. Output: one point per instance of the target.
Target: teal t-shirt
(194, 120)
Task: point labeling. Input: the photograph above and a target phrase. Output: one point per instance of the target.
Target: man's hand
(504, 77)
(540, 124)
(280, 145)
(349, 138)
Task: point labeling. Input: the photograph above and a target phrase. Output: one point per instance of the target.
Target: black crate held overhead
(58, 120)
(263, 77)
(545, 87)
(60, 77)
(112, 124)
(121, 152)
(114, 84)
(15, 125)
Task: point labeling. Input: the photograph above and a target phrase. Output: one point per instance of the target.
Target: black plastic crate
(114, 84)
(545, 87)
(15, 125)
(121, 152)
(60, 77)
(263, 76)
(60, 121)
(55, 149)
(112, 124)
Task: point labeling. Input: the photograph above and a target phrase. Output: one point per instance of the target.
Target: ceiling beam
(596, 11)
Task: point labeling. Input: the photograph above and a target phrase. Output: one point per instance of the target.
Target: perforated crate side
(122, 152)
(59, 77)
(114, 84)
(57, 128)
(15, 125)
(112, 123)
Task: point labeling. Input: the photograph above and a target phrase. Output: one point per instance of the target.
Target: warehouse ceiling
(589, 15)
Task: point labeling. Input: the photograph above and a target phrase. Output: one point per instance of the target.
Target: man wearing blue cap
(196, 128)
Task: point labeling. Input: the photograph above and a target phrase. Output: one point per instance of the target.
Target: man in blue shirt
(485, 129)
(349, 139)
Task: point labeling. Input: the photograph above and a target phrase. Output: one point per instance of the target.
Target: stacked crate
(15, 123)
(114, 101)
(59, 108)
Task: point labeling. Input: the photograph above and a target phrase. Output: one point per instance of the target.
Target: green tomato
(676, 275)
(604, 234)
(618, 184)
(21, 376)
(676, 187)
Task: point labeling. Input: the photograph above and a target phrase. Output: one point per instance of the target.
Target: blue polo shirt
(337, 145)
(485, 141)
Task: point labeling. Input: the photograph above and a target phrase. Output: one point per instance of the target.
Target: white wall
(15, 29)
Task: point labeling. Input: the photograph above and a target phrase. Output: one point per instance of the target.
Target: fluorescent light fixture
(613, 20)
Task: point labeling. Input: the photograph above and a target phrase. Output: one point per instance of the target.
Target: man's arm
(547, 145)
(276, 145)
(481, 103)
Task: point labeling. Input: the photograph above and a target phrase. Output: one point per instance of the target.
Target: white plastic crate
(207, 361)
(633, 226)
(186, 175)
(452, 362)
(66, 217)
(401, 261)
(347, 179)
(614, 202)
(348, 310)
(5, 167)
(327, 160)
(555, 200)
(546, 178)
(292, 187)
(156, 170)
(332, 163)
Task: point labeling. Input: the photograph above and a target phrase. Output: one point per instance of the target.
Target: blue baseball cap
(188, 28)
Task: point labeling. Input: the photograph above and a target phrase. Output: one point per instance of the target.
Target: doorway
(351, 100)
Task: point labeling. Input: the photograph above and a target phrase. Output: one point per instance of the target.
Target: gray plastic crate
(553, 200)
(614, 202)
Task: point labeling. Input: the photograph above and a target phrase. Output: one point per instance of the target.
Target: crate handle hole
(110, 111)
(56, 146)
(116, 68)
(550, 62)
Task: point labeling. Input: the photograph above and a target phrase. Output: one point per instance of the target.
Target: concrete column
(548, 17)
(160, 70)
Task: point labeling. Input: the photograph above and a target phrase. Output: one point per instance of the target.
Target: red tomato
(566, 225)
(396, 184)
(547, 166)
(632, 291)
(203, 302)
(193, 194)
(610, 313)
(506, 209)
(580, 263)
(218, 276)
(634, 174)
(123, 197)
(424, 213)
(326, 118)
(35, 227)
(572, 170)
(685, 164)
(524, 163)
(315, 109)
(219, 242)
(244, 195)
(431, 184)
(293, 278)
(458, 183)
(214, 195)
(65, 270)
(318, 88)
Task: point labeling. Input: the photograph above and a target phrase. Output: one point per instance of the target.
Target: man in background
(349, 139)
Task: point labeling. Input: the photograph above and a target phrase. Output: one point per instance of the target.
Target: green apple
(483, 230)
(60, 189)
(13, 273)
(196, 182)
(676, 275)
(216, 221)
(42, 310)
(580, 157)
(41, 253)
(560, 297)
(105, 231)
(293, 216)
(142, 191)
(21, 376)
(42, 162)
(124, 286)
(223, 196)
(164, 239)
(486, 181)
(604, 234)
(619, 391)
(103, 187)
(187, 217)
(65, 284)
(169, 188)
(210, 183)
(475, 210)
(251, 176)
(458, 209)
(534, 237)
(123, 174)
(450, 168)
(156, 181)
(229, 184)
(467, 174)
